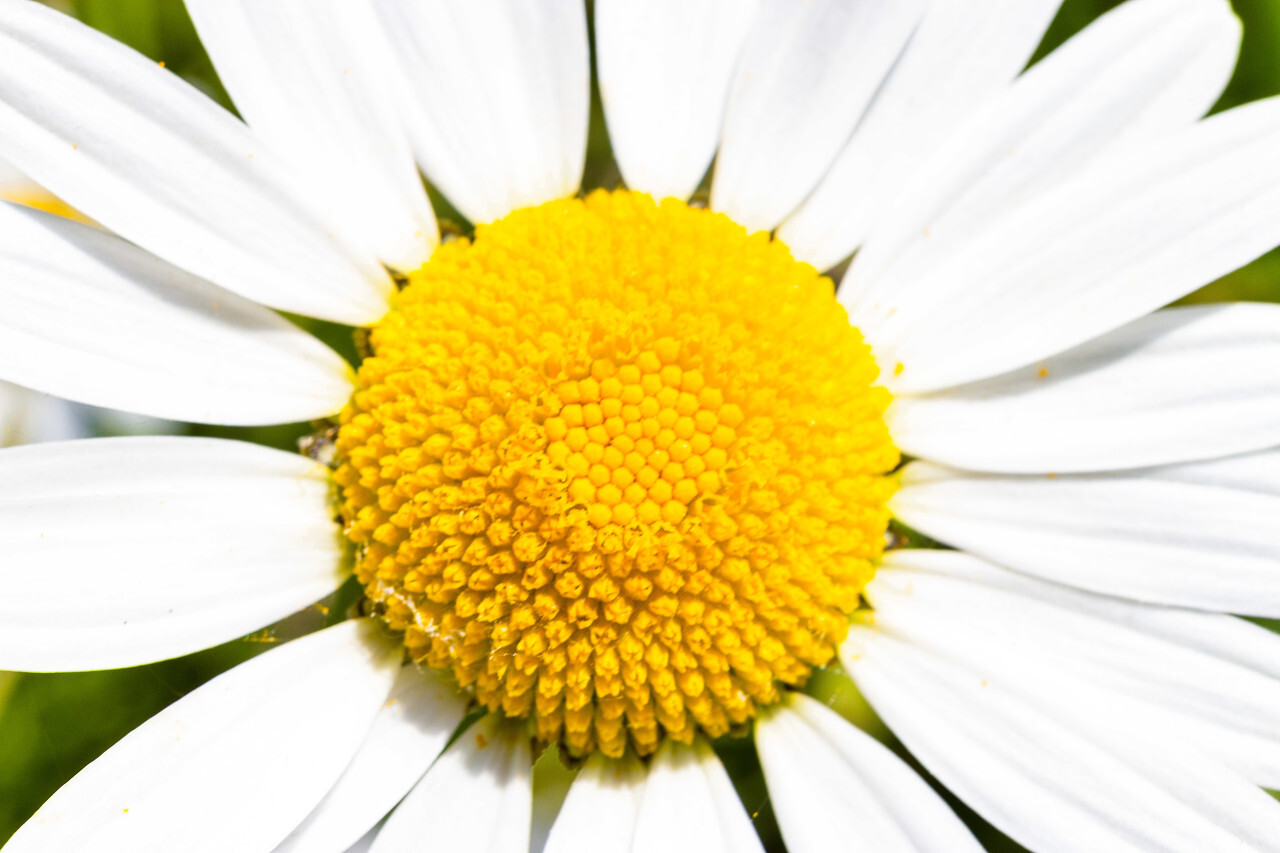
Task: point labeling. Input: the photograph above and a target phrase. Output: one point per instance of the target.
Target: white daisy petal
(963, 54)
(476, 798)
(664, 68)
(413, 727)
(1178, 385)
(1142, 534)
(152, 158)
(1143, 69)
(495, 97)
(365, 844)
(1121, 239)
(835, 787)
(155, 547)
(601, 810)
(1257, 473)
(235, 764)
(1048, 783)
(1214, 634)
(1089, 658)
(15, 183)
(805, 78)
(92, 318)
(306, 76)
(690, 806)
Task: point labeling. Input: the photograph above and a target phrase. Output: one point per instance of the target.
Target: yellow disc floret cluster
(620, 467)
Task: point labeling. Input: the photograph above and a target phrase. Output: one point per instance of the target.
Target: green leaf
(136, 23)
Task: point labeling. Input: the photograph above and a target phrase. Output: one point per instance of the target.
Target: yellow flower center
(620, 466)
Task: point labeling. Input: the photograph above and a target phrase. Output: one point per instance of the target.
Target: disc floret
(618, 466)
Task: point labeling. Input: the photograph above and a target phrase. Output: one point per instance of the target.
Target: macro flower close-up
(856, 363)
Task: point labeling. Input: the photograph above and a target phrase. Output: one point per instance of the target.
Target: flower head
(618, 466)
(616, 472)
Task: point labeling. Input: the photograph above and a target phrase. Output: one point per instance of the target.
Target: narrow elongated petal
(834, 786)
(665, 68)
(477, 798)
(406, 737)
(150, 157)
(804, 81)
(682, 802)
(121, 551)
(1137, 73)
(1253, 472)
(94, 319)
(601, 810)
(690, 806)
(1179, 385)
(15, 184)
(495, 97)
(235, 764)
(963, 54)
(1215, 634)
(1121, 239)
(1088, 657)
(1051, 782)
(17, 187)
(1143, 534)
(365, 844)
(307, 77)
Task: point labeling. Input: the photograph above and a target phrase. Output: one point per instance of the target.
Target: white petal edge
(408, 734)
(365, 844)
(150, 157)
(1048, 783)
(1215, 634)
(1124, 237)
(94, 319)
(1141, 534)
(602, 807)
(1138, 72)
(690, 806)
(15, 184)
(476, 798)
(1179, 385)
(155, 547)
(495, 98)
(233, 765)
(805, 78)
(1089, 658)
(664, 68)
(963, 54)
(835, 787)
(307, 76)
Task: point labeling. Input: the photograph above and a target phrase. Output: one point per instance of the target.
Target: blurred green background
(52, 725)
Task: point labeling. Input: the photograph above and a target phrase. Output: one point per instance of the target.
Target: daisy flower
(616, 473)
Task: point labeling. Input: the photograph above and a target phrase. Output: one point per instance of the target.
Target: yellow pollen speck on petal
(620, 467)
